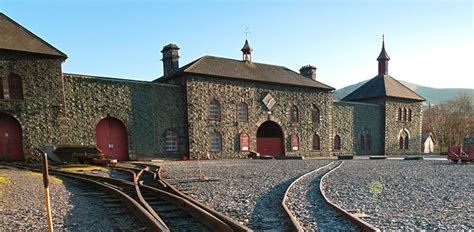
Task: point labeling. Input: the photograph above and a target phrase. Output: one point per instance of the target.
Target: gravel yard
(22, 205)
(415, 195)
(249, 191)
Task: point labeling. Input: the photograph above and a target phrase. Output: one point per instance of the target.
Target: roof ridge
(62, 54)
(406, 87)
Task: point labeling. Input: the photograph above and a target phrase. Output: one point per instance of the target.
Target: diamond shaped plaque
(269, 101)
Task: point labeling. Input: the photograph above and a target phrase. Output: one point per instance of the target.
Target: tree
(450, 122)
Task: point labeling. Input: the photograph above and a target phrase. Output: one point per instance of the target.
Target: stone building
(213, 105)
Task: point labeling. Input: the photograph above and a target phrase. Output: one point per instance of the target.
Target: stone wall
(230, 92)
(393, 127)
(353, 119)
(147, 110)
(39, 112)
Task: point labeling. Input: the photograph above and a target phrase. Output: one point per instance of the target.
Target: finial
(247, 32)
(383, 38)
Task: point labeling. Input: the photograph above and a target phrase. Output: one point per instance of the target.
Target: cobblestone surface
(407, 195)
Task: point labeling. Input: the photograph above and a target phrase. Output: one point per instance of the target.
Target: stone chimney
(170, 59)
(308, 71)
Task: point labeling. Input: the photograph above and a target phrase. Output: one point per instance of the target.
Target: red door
(270, 146)
(11, 139)
(111, 138)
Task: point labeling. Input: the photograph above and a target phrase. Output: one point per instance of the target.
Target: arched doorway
(11, 139)
(111, 138)
(270, 139)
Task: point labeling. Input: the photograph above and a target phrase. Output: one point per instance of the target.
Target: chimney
(170, 59)
(308, 71)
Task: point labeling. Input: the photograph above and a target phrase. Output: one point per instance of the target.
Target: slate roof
(15, 37)
(382, 86)
(236, 69)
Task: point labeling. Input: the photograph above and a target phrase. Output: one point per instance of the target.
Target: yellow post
(46, 190)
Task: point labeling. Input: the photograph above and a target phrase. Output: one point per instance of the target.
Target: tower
(247, 52)
(383, 60)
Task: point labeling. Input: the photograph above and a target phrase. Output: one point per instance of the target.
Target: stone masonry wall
(230, 92)
(147, 110)
(393, 127)
(353, 119)
(38, 114)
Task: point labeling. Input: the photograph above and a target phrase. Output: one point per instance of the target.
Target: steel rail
(363, 225)
(294, 222)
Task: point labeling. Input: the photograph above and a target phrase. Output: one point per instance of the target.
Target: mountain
(432, 95)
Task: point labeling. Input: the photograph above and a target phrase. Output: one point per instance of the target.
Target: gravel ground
(407, 195)
(309, 207)
(22, 205)
(249, 191)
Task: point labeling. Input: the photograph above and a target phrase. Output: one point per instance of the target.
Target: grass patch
(4, 180)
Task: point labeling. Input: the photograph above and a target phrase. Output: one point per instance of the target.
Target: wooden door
(111, 138)
(11, 139)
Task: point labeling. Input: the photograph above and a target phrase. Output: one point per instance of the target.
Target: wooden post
(46, 190)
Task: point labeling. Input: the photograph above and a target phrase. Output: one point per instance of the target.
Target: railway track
(158, 205)
(308, 208)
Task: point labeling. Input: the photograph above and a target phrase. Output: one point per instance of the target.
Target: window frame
(339, 145)
(214, 110)
(15, 87)
(242, 110)
(216, 137)
(294, 114)
(317, 139)
(315, 115)
(171, 141)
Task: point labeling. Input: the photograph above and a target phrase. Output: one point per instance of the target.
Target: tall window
(214, 110)
(404, 114)
(294, 115)
(362, 142)
(316, 142)
(399, 114)
(406, 142)
(337, 143)
(244, 142)
(15, 87)
(409, 115)
(171, 140)
(315, 114)
(216, 141)
(400, 142)
(242, 112)
(367, 142)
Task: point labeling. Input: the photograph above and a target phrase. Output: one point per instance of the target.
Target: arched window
(294, 115)
(406, 142)
(409, 115)
(295, 142)
(337, 143)
(362, 142)
(400, 143)
(367, 142)
(15, 87)
(171, 140)
(316, 142)
(242, 112)
(244, 142)
(216, 141)
(315, 114)
(404, 114)
(214, 110)
(399, 114)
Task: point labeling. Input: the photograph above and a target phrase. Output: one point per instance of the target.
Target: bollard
(46, 189)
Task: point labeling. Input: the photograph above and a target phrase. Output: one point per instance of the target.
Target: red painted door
(111, 138)
(270, 146)
(11, 139)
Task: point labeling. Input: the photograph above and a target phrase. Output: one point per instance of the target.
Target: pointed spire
(247, 52)
(383, 59)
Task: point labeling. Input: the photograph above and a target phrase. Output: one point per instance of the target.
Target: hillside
(432, 95)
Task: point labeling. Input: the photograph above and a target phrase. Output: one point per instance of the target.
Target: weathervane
(247, 32)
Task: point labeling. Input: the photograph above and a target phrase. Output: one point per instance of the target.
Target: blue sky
(430, 42)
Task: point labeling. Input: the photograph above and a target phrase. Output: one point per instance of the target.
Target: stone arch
(270, 139)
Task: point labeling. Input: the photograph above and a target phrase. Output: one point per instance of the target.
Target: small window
(337, 143)
(15, 87)
(244, 142)
(409, 115)
(294, 115)
(242, 112)
(295, 142)
(399, 114)
(316, 142)
(171, 140)
(367, 142)
(214, 110)
(362, 142)
(404, 114)
(315, 114)
(216, 141)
